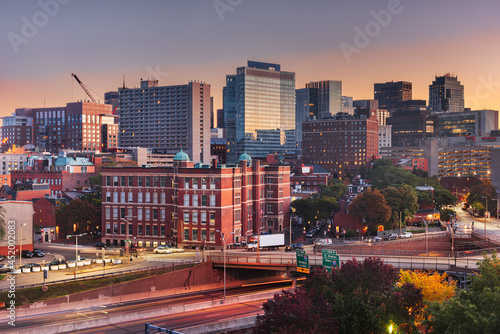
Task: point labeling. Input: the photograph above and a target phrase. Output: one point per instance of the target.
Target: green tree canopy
(3, 228)
(402, 199)
(372, 207)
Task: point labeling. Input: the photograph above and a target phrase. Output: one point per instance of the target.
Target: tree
(80, 214)
(402, 200)
(474, 311)
(443, 197)
(304, 209)
(479, 190)
(3, 229)
(372, 207)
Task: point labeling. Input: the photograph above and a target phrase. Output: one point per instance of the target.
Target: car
(100, 245)
(29, 266)
(56, 262)
(309, 235)
(391, 236)
(297, 246)
(288, 249)
(406, 235)
(38, 253)
(466, 227)
(162, 249)
(376, 239)
(27, 254)
(4, 268)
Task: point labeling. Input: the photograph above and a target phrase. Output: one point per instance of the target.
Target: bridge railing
(412, 263)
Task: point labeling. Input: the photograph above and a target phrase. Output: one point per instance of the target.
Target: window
(155, 230)
(139, 181)
(212, 236)
(186, 217)
(139, 197)
(130, 228)
(269, 207)
(108, 196)
(122, 181)
(203, 217)
(130, 197)
(115, 196)
(203, 200)
(237, 215)
(280, 207)
(115, 181)
(148, 229)
(270, 223)
(155, 214)
(186, 183)
(162, 198)
(147, 214)
(108, 180)
(130, 181)
(162, 230)
(115, 213)
(212, 183)
(195, 234)
(163, 181)
(139, 229)
(195, 200)
(148, 181)
(212, 219)
(122, 213)
(280, 192)
(122, 197)
(186, 234)
(195, 183)
(122, 228)
(108, 212)
(203, 183)
(155, 198)
(237, 198)
(148, 197)
(155, 181)
(195, 217)
(115, 229)
(186, 199)
(108, 228)
(139, 214)
(269, 194)
(203, 234)
(129, 213)
(162, 214)
(212, 200)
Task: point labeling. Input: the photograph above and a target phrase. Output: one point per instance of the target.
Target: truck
(267, 241)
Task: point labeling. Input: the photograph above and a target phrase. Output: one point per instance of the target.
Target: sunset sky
(179, 41)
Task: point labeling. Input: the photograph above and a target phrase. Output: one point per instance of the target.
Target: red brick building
(341, 144)
(45, 218)
(186, 205)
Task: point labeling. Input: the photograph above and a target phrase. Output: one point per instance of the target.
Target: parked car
(406, 235)
(162, 249)
(29, 266)
(38, 253)
(56, 262)
(391, 236)
(27, 254)
(100, 245)
(4, 268)
(376, 239)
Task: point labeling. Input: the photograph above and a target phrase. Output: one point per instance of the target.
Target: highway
(166, 319)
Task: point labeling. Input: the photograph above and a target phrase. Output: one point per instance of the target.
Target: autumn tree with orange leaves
(372, 207)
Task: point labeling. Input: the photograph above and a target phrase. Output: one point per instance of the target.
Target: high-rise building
(17, 129)
(306, 108)
(113, 98)
(390, 94)
(347, 105)
(77, 126)
(341, 144)
(467, 123)
(446, 94)
(167, 118)
(259, 110)
(410, 127)
(220, 118)
(329, 97)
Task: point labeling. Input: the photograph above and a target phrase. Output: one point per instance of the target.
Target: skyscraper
(446, 94)
(167, 118)
(306, 108)
(329, 97)
(390, 94)
(259, 110)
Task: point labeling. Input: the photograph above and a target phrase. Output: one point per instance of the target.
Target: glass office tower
(259, 110)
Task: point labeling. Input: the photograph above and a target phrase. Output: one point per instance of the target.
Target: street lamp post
(21, 244)
(486, 201)
(426, 222)
(76, 244)
(127, 241)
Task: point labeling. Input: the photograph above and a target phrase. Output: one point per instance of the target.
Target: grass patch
(2, 276)
(33, 295)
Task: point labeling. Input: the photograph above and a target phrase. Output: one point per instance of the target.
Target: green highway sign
(330, 259)
(302, 261)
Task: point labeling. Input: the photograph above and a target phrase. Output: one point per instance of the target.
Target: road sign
(302, 261)
(330, 259)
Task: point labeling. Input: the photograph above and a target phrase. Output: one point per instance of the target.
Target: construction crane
(84, 87)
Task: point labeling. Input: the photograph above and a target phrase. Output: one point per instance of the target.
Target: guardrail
(111, 274)
(412, 263)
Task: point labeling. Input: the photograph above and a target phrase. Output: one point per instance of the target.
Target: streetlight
(76, 248)
(127, 241)
(21, 244)
(485, 197)
(224, 251)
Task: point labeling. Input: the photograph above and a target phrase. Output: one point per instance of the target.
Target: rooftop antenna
(124, 81)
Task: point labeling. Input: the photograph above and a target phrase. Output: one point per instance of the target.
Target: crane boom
(83, 87)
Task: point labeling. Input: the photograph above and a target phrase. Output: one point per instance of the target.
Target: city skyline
(359, 43)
